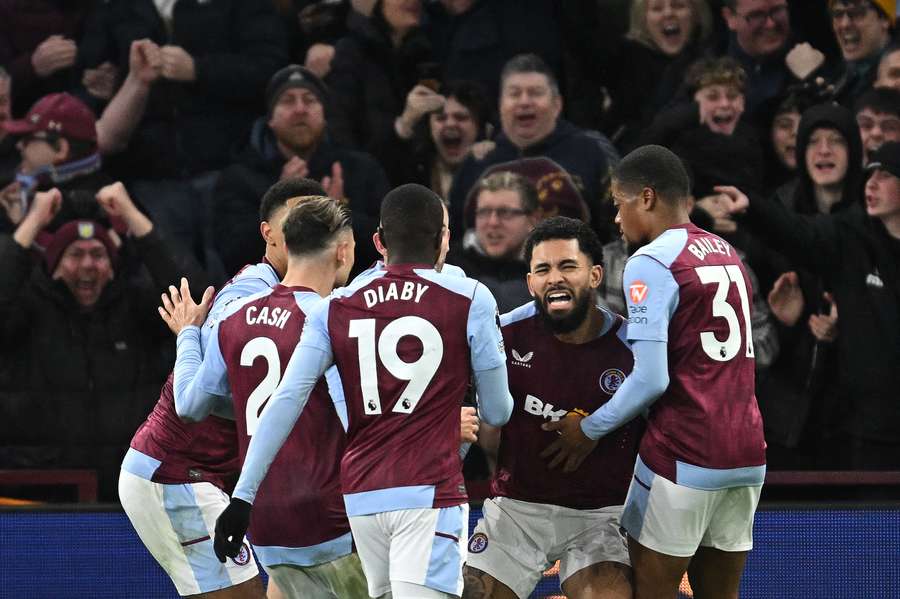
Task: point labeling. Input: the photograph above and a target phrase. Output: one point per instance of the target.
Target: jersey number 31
(419, 372)
(723, 277)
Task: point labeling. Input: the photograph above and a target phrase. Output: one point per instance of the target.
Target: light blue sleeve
(647, 381)
(310, 360)
(495, 402)
(651, 295)
(483, 331)
(200, 379)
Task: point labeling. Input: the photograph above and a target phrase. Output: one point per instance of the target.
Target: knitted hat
(888, 8)
(294, 76)
(71, 232)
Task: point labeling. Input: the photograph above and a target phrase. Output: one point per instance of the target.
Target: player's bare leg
(250, 589)
(716, 574)
(481, 585)
(656, 575)
(603, 580)
(273, 592)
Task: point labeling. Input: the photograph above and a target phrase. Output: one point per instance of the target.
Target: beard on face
(560, 325)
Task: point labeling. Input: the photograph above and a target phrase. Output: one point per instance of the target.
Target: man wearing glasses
(760, 31)
(506, 209)
(862, 29)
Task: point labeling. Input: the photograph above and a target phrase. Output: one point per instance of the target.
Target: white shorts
(176, 523)
(515, 541)
(424, 547)
(342, 578)
(675, 520)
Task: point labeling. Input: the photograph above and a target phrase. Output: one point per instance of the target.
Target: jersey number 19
(419, 372)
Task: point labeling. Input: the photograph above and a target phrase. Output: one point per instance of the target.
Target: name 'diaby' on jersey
(409, 291)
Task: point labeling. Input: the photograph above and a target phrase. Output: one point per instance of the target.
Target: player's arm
(201, 379)
(648, 329)
(488, 358)
(648, 332)
(308, 363)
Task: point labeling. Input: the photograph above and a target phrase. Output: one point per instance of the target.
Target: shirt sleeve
(495, 402)
(483, 331)
(310, 360)
(200, 379)
(647, 381)
(651, 295)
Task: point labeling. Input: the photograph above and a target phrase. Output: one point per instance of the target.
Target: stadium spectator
(708, 132)
(433, 143)
(798, 395)
(644, 70)
(83, 350)
(57, 147)
(292, 141)
(39, 46)
(863, 30)
(506, 209)
(857, 255)
(878, 116)
(382, 58)
(213, 61)
(473, 39)
(889, 69)
(780, 145)
(530, 107)
(759, 40)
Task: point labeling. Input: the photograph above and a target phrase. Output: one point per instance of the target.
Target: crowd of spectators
(162, 122)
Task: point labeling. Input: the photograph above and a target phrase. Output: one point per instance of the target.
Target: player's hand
(786, 299)
(735, 200)
(572, 447)
(295, 167)
(231, 526)
(177, 64)
(334, 185)
(468, 425)
(178, 309)
(824, 327)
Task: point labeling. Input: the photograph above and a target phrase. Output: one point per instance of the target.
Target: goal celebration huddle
(628, 449)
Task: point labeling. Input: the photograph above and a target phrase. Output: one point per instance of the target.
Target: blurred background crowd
(163, 122)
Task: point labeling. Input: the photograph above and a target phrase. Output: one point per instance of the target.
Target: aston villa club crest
(478, 542)
(243, 556)
(611, 380)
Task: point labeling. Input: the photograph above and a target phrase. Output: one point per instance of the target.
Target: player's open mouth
(558, 299)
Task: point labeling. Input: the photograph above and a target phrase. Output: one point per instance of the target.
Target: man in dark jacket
(83, 348)
(293, 142)
(530, 107)
(858, 256)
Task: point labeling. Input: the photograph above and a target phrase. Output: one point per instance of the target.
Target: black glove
(231, 526)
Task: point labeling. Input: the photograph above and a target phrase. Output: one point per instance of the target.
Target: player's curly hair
(412, 221)
(312, 223)
(563, 227)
